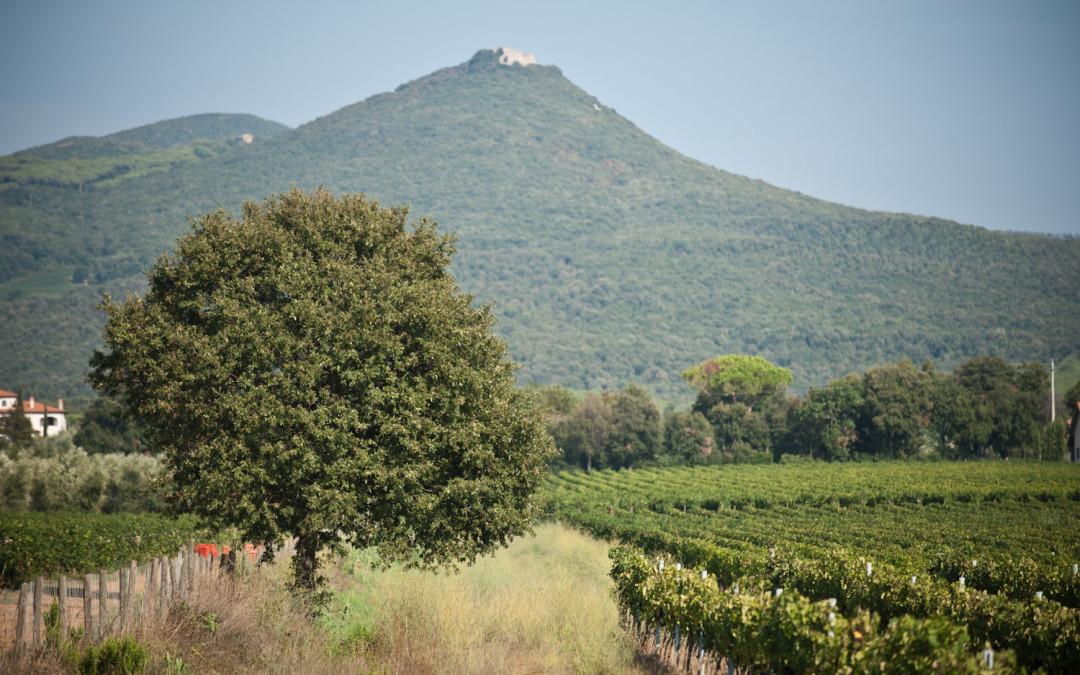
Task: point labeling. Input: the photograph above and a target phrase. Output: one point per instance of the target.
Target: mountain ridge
(612, 257)
(157, 136)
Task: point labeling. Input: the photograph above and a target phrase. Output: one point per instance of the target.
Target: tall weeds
(541, 606)
(251, 624)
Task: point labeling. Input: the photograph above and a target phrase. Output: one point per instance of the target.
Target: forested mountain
(613, 259)
(157, 136)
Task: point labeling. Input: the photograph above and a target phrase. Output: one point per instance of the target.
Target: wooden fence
(110, 602)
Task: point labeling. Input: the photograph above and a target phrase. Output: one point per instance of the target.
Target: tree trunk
(304, 564)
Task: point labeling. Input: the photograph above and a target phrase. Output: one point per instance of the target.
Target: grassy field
(543, 605)
(50, 283)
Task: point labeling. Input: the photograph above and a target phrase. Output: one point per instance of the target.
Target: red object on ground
(206, 550)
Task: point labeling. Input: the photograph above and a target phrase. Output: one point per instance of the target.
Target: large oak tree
(313, 370)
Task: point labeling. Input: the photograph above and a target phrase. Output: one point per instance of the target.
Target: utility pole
(1053, 411)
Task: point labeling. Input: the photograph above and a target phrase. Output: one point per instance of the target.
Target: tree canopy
(736, 378)
(609, 430)
(106, 428)
(15, 427)
(313, 370)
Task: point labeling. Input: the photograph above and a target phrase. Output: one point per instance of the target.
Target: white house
(45, 419)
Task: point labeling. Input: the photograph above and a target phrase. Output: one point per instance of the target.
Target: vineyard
(847, 567)
(50, 544)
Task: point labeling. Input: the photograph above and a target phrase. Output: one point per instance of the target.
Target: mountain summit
(612, 258)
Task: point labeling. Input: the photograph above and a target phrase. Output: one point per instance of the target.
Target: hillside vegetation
(613, 258)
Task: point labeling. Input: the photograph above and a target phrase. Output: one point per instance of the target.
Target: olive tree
(313, 370)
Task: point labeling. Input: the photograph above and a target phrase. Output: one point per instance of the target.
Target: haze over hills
(613, 259)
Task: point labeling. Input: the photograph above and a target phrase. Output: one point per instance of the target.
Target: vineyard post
(678, 568)
(661, 569)
(701, 636)
(88, 606)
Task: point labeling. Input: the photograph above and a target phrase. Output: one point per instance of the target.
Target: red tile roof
(37, 407)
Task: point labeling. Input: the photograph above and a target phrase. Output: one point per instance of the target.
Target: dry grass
(249, 625)
(541, 606)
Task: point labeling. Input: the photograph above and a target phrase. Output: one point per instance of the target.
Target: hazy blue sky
(966, 110)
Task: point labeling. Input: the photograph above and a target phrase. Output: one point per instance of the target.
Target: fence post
(165, 590)
(133, 575)
(20, 616)
(39, 600)
(88, 607)
(121, 615)
(61, 619)
(191, 568)
(148, 589)
(103, 597)
(180, 578)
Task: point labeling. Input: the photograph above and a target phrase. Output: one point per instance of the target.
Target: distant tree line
(985, 408)
(743, 413)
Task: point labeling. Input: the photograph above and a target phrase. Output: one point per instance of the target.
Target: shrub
(115, 656)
